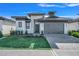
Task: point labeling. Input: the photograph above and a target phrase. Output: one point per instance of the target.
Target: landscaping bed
(24, 42)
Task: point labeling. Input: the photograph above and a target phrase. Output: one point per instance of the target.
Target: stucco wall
(41, 27)
(33, 17)
(0, 25)
(7, 27)
(23, 28)
(70, 26)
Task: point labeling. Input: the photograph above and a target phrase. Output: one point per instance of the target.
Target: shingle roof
(77, 19)
(29, 14)
(55, 19)
(21, 18)
(4, 18)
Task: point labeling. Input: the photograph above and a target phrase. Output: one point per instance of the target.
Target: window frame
(19, 24)
(27, 25)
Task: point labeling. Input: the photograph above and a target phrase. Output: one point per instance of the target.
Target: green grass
(21, 42)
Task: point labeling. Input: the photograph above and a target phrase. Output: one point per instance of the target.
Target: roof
(77, 19)
(35, 14)
(21, 18)
(72, 17)
(55, 19)
(7, 19)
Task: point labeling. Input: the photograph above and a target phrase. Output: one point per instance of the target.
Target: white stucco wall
(0, 25)
(70, 26)
(78, 25)
(41, 27)
(7, 26)
(23, 28)
(6, 29)
(29, 30)
(32, 21)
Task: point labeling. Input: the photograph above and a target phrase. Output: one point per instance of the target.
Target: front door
(36, 28)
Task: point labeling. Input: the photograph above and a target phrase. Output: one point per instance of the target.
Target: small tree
(26, 32)
(1, 35)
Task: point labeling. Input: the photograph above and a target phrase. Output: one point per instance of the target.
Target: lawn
(24, 42)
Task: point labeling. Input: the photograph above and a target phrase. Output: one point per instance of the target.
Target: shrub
(17, 32)
(73, 31)
(69, 32)
(26, 32)
(1, 35)
(21, 32)
(42, 33)
(12, 32)
(75, 34)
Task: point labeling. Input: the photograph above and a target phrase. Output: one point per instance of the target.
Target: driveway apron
(63, 45)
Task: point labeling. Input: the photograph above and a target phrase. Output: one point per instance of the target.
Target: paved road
(63, 45)
(26, 53)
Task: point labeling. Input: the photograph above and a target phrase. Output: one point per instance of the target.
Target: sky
(22, 9)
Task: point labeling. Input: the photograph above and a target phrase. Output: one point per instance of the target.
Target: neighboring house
(6, 25)
(38, 23)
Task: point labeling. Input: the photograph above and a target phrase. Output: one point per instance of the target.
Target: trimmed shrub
(69, 32)
(42, 33)
(26, 32)
(74, 31)
(21, 32)
(12, 32)
(17, 32)
(75, 34)
(1, 35)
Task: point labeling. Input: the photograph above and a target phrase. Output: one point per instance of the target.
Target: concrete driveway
(63, 45)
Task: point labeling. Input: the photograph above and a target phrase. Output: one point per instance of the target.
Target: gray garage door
(53, 28)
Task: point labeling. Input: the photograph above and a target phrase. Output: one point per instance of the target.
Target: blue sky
(21, 9)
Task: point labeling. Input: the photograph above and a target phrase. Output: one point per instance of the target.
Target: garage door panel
(53, 28)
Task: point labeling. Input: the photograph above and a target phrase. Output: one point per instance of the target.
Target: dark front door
(36, 28)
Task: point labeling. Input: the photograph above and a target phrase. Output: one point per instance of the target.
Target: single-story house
(6, 25)
(38, 23)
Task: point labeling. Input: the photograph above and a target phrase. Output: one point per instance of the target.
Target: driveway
(63, 45)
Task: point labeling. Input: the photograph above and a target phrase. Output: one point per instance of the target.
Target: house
(6, 25)
(38, 23)
(27, 23)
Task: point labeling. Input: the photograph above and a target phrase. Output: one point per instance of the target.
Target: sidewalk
(26, 53)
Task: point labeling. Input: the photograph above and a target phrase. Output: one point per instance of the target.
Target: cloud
(50, 5)
(72, 4)
(60, 6)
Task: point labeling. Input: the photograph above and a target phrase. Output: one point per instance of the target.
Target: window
(19, 24)
(27, 25)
